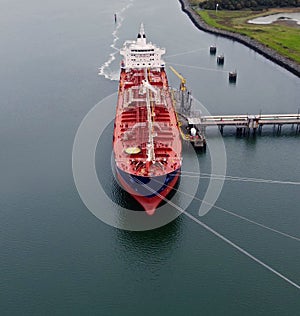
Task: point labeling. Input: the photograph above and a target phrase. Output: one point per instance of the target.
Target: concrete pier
(246, 124)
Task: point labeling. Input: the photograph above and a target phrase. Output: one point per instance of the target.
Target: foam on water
(105, 69)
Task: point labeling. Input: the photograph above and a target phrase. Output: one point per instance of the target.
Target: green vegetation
(243, 4)
(281, 36)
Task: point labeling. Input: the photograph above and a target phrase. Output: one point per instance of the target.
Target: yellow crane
(183, 80)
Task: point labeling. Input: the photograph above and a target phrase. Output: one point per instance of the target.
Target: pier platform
(193, 124)
(246, 124)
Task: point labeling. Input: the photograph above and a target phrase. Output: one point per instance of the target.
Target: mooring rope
(198, 67)
(191, 174)
(185, 53)
(231, 243)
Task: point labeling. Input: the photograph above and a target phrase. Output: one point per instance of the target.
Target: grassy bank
(281, 36)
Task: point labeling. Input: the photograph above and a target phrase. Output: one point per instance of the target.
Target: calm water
(56, 257)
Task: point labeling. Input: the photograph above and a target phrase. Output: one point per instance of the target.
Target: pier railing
(247, 123)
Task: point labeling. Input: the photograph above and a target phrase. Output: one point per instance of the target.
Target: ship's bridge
(140, 54)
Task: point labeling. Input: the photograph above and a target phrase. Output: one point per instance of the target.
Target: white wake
(105, 69)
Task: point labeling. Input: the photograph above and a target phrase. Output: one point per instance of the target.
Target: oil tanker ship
(146, 141)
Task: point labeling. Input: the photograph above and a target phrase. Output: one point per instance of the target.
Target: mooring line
(185, 53)
(231, 243)
(197, 67)
(190, 174)
(256, 223)
(234, 214)
(245, 252)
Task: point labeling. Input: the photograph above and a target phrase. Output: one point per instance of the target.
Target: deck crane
(183, 80)
(189, 121)
(185, 99)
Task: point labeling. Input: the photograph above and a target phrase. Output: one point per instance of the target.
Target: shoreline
(267, 52)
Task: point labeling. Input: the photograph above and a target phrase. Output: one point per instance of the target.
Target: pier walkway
(193, 124)
(244, 124)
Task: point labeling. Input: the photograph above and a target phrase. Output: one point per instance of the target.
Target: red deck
(131, 136)
(131, 132)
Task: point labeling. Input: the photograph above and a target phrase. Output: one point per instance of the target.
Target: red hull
(146, 143)
(149, 204)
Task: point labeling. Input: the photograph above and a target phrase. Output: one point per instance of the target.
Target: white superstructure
(139, 54)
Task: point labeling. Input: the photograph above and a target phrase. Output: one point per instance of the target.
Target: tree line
(247, 4)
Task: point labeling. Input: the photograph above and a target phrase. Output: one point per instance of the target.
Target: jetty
(193, 124)
(250, 124)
